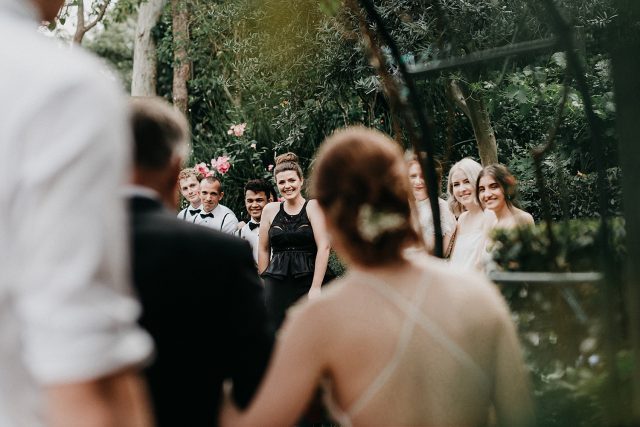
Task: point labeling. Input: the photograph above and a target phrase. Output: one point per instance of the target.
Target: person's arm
(316, 217)
(230, 224)
(118, 400)
(76, 312)
(295, 370)
(264, 247)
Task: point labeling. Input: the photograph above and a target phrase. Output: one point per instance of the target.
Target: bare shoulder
(313, 206)
(270, 210)
(468, 292)
(313, 209)
(524, 218)
(324, 310)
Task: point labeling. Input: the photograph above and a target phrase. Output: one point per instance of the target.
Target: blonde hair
(471, 170)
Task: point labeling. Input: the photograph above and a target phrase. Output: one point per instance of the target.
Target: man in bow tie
(255, 199)
(213, 214)
(190, 189)
(186, 378)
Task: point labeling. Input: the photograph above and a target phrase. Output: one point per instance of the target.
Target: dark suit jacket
(203, 304)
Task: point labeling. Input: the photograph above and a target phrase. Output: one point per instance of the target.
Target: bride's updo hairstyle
(287, 162)
(360, 181)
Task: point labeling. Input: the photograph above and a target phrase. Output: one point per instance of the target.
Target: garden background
(289, 73)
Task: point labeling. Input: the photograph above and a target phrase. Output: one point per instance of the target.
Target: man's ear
(221, 195)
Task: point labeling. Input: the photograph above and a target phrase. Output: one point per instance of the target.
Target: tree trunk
(143, 82)
(475, 109)
(181, 66)
(81, 26)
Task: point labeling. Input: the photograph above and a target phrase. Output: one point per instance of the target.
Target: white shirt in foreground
(66, 308)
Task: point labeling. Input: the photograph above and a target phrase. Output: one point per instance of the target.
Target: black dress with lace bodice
(293, 245)
(289, 274)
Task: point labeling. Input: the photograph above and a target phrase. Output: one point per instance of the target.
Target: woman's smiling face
(289, 184)
(463, 190)
(490, 193)
(417, 181)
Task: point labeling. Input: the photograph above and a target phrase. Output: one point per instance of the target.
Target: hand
(314, 293)
(229, 413)
(240, 225)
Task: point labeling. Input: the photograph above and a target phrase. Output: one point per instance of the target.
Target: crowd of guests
(113, 312)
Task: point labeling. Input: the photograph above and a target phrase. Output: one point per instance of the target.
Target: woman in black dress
(294, 245)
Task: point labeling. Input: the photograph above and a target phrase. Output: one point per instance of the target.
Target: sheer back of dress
(428, 378)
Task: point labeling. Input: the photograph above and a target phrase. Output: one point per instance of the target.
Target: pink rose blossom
(237, 130)
(270, 168)
(280, 199)
(202, 169)
(221, 164)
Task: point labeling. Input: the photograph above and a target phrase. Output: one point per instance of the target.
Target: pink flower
(221, 164)
(253, 145)
(270, 168)
(280, 199)
(237, 130)
(202, 169)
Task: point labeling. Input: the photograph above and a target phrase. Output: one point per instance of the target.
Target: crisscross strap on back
(432, 329)
(408, 326)
(414, 316)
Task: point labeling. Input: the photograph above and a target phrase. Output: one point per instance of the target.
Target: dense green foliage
(295, 71)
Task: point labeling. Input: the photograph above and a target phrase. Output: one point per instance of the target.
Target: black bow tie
(208, 215)
(253, 225)
(194, 211)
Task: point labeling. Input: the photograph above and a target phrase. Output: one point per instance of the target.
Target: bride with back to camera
(419, 351)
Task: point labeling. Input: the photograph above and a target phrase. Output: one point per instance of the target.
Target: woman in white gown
(473, 222)
(423, 207)
(393, 342)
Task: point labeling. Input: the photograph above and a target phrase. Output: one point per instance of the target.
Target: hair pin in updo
(372, 223)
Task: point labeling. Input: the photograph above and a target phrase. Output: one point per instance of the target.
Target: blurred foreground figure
(201, 296)
(68, 337)
(401, 340)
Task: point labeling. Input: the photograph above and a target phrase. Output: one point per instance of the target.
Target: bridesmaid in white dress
(393, 342)
(473, 221)
(423, 207)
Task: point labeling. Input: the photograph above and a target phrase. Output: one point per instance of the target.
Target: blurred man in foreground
(69, 343)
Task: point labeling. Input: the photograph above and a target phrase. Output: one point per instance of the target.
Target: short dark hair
(160, 132)
(257, 186)
(212, 180)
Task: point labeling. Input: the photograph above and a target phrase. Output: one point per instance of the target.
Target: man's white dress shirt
(251, 235)
(66, 309)
(223, 219)
(189, 214)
